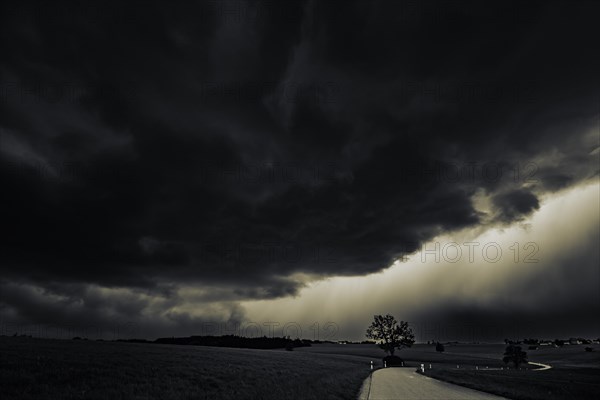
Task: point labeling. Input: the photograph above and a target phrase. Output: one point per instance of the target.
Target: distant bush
(133, 340)
(532, 347)
(439, 347)
(589, 349)
(515, 355)
(392, 361)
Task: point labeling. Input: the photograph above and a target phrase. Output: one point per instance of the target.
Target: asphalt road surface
(405, 383)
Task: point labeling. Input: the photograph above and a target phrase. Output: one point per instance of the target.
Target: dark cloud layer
(239, 144)
(515, 203)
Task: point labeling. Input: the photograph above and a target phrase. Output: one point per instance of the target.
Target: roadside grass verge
(558, 384)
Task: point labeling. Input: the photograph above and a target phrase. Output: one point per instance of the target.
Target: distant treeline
(230, 341)
(555, 342)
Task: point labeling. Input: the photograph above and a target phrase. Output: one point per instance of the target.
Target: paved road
(543, 366)
(405, 383)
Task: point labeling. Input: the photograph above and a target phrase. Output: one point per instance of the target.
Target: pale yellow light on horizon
(564, 222)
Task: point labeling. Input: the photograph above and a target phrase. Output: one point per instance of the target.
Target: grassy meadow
(77, 369)
(40, 369)
(569, 383)
(575, 375)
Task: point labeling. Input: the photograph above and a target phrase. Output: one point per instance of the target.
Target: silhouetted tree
(515, 355)
(439, 347)
(390, 334)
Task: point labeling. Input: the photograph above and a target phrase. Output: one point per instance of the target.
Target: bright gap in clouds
(555, 269)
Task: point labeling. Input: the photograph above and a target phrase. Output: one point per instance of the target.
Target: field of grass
(558, 384)
(77, 369)
(467, 356)
(67, 369)
(574, 374)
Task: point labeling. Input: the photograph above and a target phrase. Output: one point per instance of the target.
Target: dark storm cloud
(238, 143)
(85, 310)
(515, 204)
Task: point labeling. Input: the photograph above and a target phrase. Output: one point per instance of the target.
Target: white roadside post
(385, 364)
(371, 364)
(422, 367)
(429, 366)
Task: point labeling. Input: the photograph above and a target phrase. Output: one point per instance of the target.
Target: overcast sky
(248, 166)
